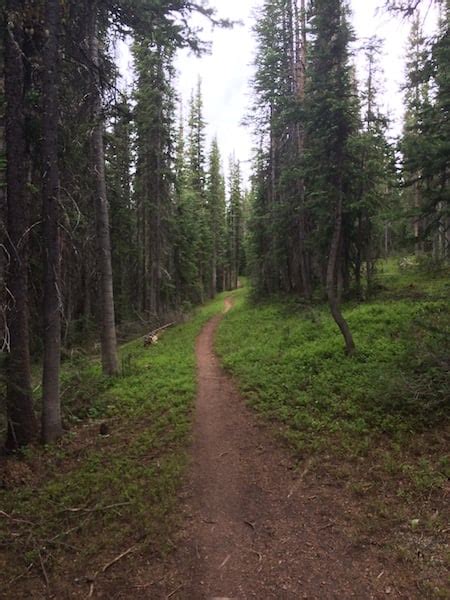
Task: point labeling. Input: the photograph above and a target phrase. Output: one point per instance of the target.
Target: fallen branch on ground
(95, 509)
(152, 337)
(107, 566)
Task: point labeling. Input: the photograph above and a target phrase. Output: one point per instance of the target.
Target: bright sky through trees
(226, 72)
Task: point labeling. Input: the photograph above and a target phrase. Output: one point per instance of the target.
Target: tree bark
(333, 268)
(51, 402)
(108, 326)
(300, 82)
(22, 425)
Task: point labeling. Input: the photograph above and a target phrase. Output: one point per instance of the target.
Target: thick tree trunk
(300, 82)
(108, 326)
(22, 425)
(334, 267)
(51, 402)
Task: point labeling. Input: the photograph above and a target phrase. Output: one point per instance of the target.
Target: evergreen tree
(374, 176)
(22, 426)
(235, 224)
(53, 303)
(196, 182)
(123, 217)
(153, 122)
(332, 120)
(215, 190)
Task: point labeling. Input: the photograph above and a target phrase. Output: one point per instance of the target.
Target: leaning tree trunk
(22, 425)
(333, 268)
(108, 326)
(51, 403)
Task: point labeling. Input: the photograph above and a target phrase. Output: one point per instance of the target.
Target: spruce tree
(215, 194)
(235, 224)
(332, 120)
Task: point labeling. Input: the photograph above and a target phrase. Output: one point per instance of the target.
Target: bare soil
(255, 526)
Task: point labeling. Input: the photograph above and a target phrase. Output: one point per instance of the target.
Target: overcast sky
(227, 71)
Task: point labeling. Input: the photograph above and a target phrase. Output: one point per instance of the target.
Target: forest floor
(331, 486)
(256, 527)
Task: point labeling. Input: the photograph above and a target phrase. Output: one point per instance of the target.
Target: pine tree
(154, 118)
(196, 181)
(22, 426)
(51, 402)
(185, 228)
(374, 176)
(332, 119)
(215, 193)
(417, 103)
(108, 326)
(123, 225)
(235, 224)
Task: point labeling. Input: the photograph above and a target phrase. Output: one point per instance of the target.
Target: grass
(101, 494)
(292, 367)
(378, 420)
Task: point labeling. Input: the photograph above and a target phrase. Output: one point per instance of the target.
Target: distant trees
(424, 144)
(327, 196)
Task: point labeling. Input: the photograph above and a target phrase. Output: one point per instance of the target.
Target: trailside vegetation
(331, 193)
(111, 214)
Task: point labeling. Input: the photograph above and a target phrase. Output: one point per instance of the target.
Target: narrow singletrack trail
(254, 527)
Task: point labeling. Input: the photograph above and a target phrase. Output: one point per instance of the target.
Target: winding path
(255, 528)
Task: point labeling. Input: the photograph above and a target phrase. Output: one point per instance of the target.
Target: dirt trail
(254, 528)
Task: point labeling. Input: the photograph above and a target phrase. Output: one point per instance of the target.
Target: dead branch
(174, 592)
(156, 331)
(95, 509)
(4, 514)
(302, 476)
(113, 562)
(106, 567)
(43, 569)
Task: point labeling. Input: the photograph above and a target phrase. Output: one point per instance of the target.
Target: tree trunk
(300, 82)
(51, 402)
(334, 267)
(108, 327)
(22, 425)
(214, 272)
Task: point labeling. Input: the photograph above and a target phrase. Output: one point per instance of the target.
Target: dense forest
(332, 193)
(214, 386)
(115, 206)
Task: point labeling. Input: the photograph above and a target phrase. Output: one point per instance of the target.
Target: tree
(332, 118)
(235, 224)
(22, 426)
(119, 163)
(196, 183)
(108, 327)
(51, 404)
(374, 176)
(215, 190)
(279, 88)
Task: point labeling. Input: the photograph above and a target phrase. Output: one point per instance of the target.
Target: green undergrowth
(291, 366)
(376, 422)
(96, 493)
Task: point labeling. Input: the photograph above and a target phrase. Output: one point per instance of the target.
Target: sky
(226, 72)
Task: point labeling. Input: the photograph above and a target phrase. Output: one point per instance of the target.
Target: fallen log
(152, 338)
